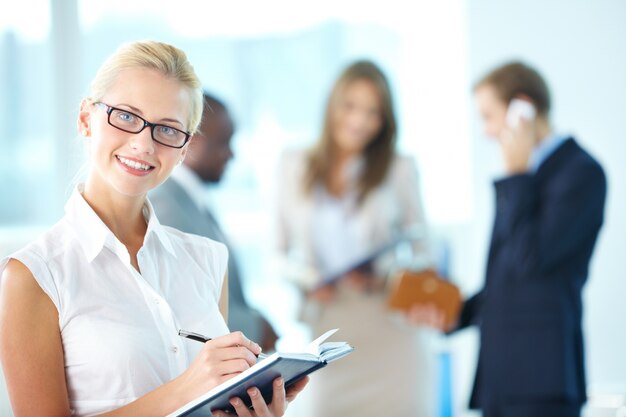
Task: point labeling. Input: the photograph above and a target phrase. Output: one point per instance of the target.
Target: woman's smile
(134, 166)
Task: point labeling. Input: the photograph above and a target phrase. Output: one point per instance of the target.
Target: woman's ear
(183, 153)
(84, 118)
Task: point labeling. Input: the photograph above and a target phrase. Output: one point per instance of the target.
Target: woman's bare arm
(224, 298)
(31, 350)
(31, 353)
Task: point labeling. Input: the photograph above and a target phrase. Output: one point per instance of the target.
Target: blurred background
(273, 63)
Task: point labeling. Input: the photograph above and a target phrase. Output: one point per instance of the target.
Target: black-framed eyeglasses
(131, 123)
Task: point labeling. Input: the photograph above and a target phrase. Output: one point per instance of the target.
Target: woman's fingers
(296, 388)
(358, 280)
(277, 406)
(325, 294)
(230, 354)
(221, 359)
(242, 409)
(235, 353)
(231, 368)
(234, 360)
(235, 339)
(279, 398)
(258, 404)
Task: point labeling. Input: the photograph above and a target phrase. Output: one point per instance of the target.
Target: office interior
(273, 63)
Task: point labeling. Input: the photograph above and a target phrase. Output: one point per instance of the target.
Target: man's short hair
(516, 78)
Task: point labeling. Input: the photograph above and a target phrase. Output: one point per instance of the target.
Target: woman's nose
(142, 141)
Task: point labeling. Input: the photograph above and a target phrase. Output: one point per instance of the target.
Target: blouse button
(175, 349)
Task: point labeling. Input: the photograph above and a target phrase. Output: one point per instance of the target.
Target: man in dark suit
(549, 210)
(179, 202)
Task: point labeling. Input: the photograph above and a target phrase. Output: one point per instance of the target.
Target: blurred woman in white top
(90, 311)
(345, 198)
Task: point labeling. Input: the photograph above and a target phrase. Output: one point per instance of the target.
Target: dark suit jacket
(174, 207)
(530, 308)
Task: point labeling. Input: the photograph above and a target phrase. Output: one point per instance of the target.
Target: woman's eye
(166, 130)
(126, 117)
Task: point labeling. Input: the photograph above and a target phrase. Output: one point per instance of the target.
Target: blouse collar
(93, 235)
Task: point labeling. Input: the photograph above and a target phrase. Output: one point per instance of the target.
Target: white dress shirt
(304, 228)
(544, 150)
(338, 237)
(119, 328)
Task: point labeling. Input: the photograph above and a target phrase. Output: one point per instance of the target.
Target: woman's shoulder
(48, 245)
(403, 160)
(20, 281)
(292, 167)
(402, 165)
(35, 261)
(13, 269)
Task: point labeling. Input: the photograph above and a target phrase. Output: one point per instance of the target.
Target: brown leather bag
(425, 287)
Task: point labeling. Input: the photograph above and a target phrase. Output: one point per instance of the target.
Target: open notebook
(292, 366)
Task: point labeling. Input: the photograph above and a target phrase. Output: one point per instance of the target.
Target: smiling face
(132, 164)
(357, 116)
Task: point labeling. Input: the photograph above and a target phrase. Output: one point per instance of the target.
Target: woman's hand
(323, 295)
(359, 281)
(364, 281)
(280, 401)
(219, 360)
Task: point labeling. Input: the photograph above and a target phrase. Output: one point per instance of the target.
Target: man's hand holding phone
(518, 137)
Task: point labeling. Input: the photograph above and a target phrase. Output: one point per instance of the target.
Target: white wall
(580, 47)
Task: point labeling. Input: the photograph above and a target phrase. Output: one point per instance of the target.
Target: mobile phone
(519, 109)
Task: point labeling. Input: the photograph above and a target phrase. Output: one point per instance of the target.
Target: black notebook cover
(290, 366)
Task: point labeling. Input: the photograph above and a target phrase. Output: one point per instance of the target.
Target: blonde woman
(89, 312)
(344, 198)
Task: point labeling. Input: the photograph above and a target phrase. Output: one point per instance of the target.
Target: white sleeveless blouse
(120, 328)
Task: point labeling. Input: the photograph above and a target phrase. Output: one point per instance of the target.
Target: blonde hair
(158, 56)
